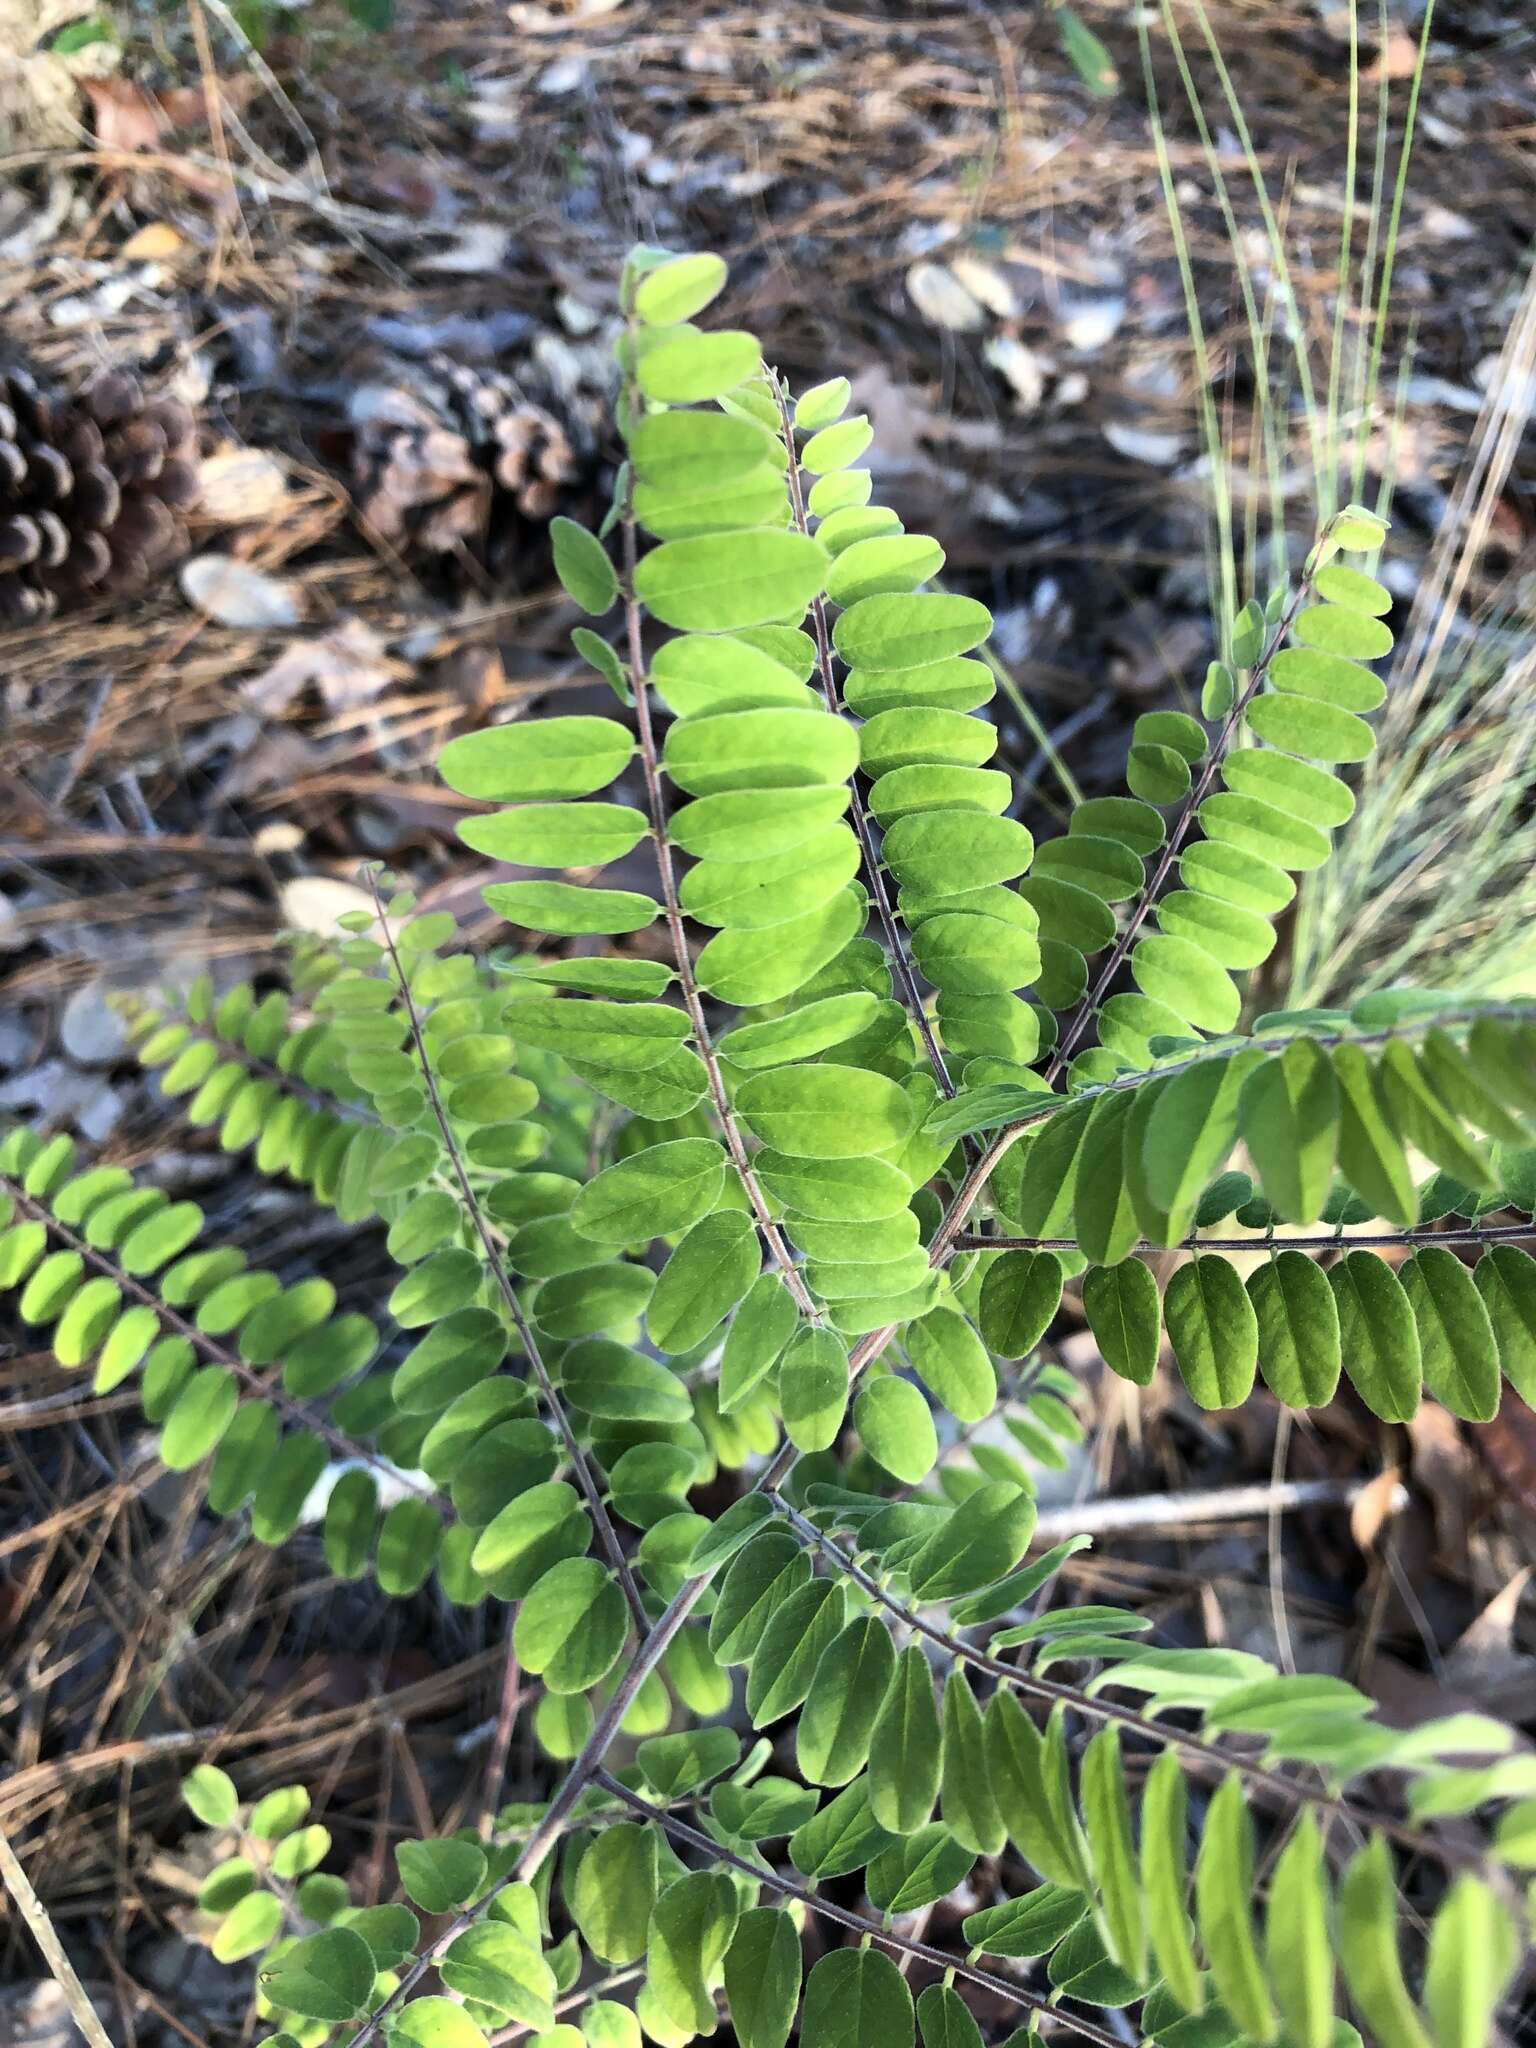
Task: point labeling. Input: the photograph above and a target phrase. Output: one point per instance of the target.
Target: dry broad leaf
(312, 903)
(942, 299)
(156, 243)
(126, 116)
(240, 486)
(234, 594)
(348, 666)
(1374, 1507)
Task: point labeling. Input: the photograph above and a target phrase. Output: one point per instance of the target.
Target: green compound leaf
(616, 1885)
(904, 1749)
(439, 1876)
(833, 1733)
(691, 1928)
(498, 1966)
(918, 1870)
(1378, 1335)
(1456, 1341)
(1125, 1315)
(1214, 1332)
(211, 1795)
(909, 631)
(984, 1538)
(1300, 1348)
(813, 1389)
(1367, 1938)
(436, 2023)
(678, 289)
(952, 1363)
(708, 1274)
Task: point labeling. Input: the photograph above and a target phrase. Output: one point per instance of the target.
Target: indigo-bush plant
(787, 1214)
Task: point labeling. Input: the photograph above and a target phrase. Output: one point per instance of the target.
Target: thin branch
(946, 1238)
(1057, 1693)
(673, 909)
(1326, 1241)
(1088, 1008)
(210, 1348)
(496, 1265)
(874, 873)
(904, 1945)
(1140, 1513)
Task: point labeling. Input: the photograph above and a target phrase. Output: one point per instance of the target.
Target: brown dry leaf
(544, 21)
(159, 242)
(942, 299)
(241, 486)
(348, 666)
(312, 903)
(127, 117)
(232, 593)
(1484, 1657)
(1398, 56)
(281, 836)
(1376, 1505)
(130, 117)
(1445, 1467)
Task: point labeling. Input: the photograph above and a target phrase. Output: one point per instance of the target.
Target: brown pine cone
(431, 464)
(93, 491)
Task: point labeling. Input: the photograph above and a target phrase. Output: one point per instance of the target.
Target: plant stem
(904, 1945)
(210, 1348)
(1056, 1693)
(1327, 1241)
(607, 1535)
(672, 906)
(874, 873)
(1088, 1008)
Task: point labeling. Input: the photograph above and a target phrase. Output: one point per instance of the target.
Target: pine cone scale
(93, 487)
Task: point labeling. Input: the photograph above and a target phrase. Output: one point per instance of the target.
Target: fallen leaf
(478, 248)
(347, 665)
(156, 243)
(281, 836)
(91, 1031)
(312, 903)
(234, 594)
(126, 116)
(987, 286)
(241, 486)
(1485, 1657)
(1398, 57)
(1092, 324)
(1139, 444)
(942, 299)
(1024, 370)
(1375, 1506)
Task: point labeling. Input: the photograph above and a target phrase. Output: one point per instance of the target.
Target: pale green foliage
(780, 1204)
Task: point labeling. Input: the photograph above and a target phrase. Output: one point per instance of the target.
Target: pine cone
(430, 465)
(92, 491)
